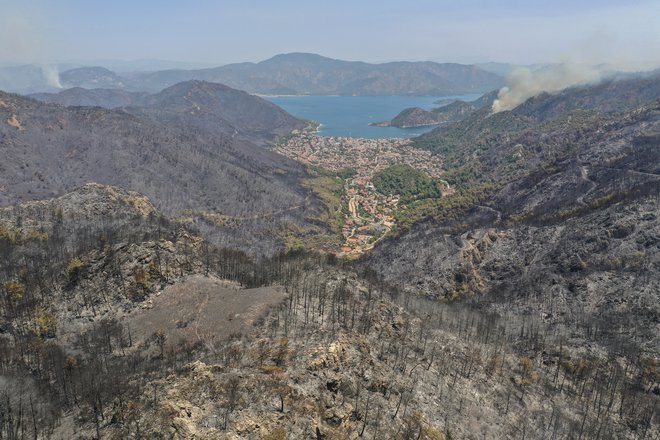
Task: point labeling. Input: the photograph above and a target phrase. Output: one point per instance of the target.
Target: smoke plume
(23, 42)
(524, 83)
(51, 75)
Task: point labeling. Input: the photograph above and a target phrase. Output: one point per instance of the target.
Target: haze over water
(350, 116)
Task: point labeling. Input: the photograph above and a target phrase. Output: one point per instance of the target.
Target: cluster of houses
(370, 214)
(366, 156)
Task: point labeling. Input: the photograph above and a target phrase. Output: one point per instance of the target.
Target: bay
(350, 116)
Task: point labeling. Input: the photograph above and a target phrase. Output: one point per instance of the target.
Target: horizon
(142, 64)
(210, 34)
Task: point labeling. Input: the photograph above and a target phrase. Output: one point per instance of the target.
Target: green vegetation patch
(330, 190)
(329, 187)
(343, 173)
(407, 182)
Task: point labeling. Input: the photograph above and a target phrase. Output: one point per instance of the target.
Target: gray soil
(201, 308)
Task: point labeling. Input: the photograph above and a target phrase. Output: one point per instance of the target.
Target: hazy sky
(519, 31)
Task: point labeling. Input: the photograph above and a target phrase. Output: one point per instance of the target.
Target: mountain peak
(195, 85)
(91, 69)
(296, 57)
(195, 91)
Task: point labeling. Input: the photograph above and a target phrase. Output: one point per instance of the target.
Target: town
(369, 215)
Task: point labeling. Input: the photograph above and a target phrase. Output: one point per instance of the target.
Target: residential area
(369, 215)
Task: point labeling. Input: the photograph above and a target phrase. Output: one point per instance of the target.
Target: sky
(217, 32)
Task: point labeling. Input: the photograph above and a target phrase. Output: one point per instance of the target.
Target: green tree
(404, 180)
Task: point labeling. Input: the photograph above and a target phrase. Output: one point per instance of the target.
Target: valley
(180, 259)
(368, 215)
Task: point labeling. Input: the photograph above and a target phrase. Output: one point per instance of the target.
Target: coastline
(387, 124)
(356, 117)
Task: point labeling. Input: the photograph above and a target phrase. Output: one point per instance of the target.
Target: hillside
(203, 173)
(409, 118)
(202, 105)
(549, 218)
(98, 97)
(522, 303)
(480, 127)
(110, 328)
(216, 107)
(417, 117)
(554, 225)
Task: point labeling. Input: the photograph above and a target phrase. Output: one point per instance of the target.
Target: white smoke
(22, 41)
(52, 76)
(524, 83)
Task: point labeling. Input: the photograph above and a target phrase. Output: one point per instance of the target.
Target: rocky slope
(555, 225)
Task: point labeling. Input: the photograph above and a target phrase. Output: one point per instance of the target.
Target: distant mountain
(93, 78)
(28, 78)
(145, 65)
(106, 98)
(302, 73)
(286, 74)
(504, 69)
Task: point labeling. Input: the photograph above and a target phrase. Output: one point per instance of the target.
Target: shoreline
(358, 117)
(404, 127)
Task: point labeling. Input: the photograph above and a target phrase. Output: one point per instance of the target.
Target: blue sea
(350, 115)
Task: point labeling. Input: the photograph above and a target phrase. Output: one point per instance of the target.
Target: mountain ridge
(294, 74)
(303, 73)
(210, 106)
